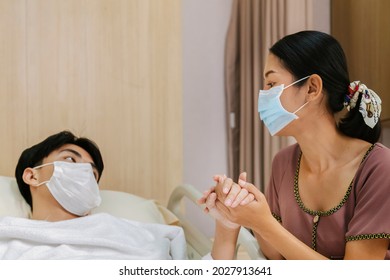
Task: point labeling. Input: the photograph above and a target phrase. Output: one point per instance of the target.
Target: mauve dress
(364, 213)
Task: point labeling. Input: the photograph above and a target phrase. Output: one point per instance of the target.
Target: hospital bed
(136, 208)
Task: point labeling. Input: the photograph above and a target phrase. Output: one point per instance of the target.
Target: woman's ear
(315, 87)
(30, 176)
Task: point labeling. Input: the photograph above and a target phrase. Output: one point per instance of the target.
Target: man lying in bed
(58, 178)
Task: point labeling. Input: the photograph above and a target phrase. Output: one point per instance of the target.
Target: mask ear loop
(40, 166)
(41, 183)
(43, 165)
(304, 78)
(294, 84)
(300, 107)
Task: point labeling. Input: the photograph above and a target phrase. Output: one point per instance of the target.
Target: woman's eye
(270, 85)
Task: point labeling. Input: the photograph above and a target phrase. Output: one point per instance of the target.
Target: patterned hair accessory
(370, 104)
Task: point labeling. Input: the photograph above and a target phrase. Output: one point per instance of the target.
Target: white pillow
(116, 203)
(12, 202)
(129, 206)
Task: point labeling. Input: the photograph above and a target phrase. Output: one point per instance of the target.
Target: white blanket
(98, 236)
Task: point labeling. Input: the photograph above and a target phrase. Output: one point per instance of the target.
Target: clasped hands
(234, 204)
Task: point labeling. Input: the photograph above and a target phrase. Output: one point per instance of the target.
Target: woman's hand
(209, 199)
(231, 193)
(238, 194)
(255, 214)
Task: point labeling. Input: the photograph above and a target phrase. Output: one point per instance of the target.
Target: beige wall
(108, 70)
(205, 24)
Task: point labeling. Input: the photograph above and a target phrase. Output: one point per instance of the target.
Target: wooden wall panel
(363, 29)
(56, 68)
(13, 106)
(111, 71)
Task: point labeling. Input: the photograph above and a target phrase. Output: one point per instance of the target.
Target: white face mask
(271, 110)
(74, 186)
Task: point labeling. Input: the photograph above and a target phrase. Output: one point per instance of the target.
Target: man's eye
(70, 159)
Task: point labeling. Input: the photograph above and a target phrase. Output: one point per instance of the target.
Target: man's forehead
(72, 147)
(75, 150)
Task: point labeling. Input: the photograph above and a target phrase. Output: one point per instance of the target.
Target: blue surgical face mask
(271, 110)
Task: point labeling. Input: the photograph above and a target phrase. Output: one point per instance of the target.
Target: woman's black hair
(34, 156)
(312, 52)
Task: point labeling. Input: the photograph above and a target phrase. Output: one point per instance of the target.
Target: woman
(328, 195)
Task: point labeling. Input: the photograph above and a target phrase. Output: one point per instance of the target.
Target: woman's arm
(225, 240)
(226, 232)
(277, 242)
(370, 249)
(268, 251)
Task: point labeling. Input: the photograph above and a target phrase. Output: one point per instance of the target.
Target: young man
(58, 178)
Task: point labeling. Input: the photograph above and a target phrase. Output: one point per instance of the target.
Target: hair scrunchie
(370, 104)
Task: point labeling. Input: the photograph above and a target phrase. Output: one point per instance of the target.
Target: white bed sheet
(98, 236)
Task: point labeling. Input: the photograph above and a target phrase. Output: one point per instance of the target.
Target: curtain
(254, 26)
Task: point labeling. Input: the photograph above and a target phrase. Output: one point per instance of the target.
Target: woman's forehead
(273, 65)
